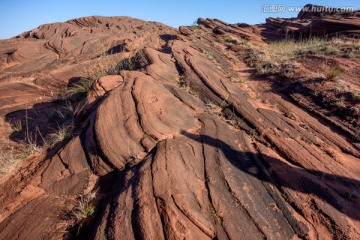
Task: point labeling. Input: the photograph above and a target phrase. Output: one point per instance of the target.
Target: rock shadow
(35, 124)
(166, 48)
(338, 191)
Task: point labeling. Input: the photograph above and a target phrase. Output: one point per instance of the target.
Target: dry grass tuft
(106, 65)
(10, 157)
(85, 207)
(333, 74)
(276, 58)
(79, 89)
(7, 160)
(61, 134)
(213, 108)
(16, 125)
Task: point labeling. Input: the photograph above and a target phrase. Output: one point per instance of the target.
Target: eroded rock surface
(174, 147)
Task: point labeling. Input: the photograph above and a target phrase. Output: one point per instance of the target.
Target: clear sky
(17, 16)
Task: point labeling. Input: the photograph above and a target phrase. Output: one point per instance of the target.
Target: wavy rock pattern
(165, 163)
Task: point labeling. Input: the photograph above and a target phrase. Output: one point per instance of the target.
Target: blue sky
(17, 16)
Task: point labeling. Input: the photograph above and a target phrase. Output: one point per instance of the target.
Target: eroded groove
(139, 117)
(188, 216)
(247, 213)
(100, 153)
(212, 208)
(153, 151)
(330, 223)
(299, 228)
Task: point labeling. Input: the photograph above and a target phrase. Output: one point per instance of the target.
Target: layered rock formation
(173, 147)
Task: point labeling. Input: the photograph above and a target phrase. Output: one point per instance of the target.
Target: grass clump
(61, 134)
(101, 67)
(232, 74)
(79, 89)
(82, 214)
(229, 39)
(26, 151)
(333, 74)
(107, 65)
(133, 156)
(213, 108)
(85, 207)
(234, 77)
(7, 160)
(9, 157)
(91, 72)
(333, 46)
(16, 125)
(128, 64)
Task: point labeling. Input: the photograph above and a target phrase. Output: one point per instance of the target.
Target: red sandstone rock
(174, 148)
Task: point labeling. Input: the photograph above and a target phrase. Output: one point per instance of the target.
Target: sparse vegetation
(235, 78)
(7, 160)
(213, 108)
(107, 65)
(182, 82)
(81, 214)
(85, 207)
(79, 89)
(133, 156)
(277, 58)
(333, 74)
(27, 150)
(355, 94)
(194, 24)
(229, 39)
(128, 63)
(233, 74)
(16, 125)
(100, 67)
(267, 60)
(61, 134)
(68, 112)
(217, 215)
(9, 156)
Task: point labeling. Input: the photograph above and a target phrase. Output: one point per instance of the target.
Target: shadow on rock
(337, 191)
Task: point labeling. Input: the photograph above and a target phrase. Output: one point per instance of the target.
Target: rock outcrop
(173, 146)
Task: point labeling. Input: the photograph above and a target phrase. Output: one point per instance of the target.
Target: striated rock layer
(173, 148)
